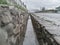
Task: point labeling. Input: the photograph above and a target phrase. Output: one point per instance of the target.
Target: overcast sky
(37, 4)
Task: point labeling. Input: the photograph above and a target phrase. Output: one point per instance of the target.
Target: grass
(4, 2)
(20, 7)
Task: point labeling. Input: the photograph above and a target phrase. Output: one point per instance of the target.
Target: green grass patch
(20, 7)
(3, 2)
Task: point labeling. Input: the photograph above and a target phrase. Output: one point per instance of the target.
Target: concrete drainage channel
(13, 24)
(43, 36)
(30, 37)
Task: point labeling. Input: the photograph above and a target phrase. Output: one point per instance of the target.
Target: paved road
(30, 38)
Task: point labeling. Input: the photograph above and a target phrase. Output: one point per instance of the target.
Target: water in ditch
(30, 37)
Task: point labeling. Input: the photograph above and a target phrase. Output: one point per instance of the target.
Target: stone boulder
(12, 25)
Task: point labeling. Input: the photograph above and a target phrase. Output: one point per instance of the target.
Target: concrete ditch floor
(30, 37)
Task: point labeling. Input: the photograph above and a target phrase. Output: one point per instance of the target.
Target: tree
(58, 8)
(43, 9)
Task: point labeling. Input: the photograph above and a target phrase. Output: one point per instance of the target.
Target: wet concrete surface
(30, 37)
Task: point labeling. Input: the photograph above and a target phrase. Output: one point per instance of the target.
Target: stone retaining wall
(13, 24)
(43, 36)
